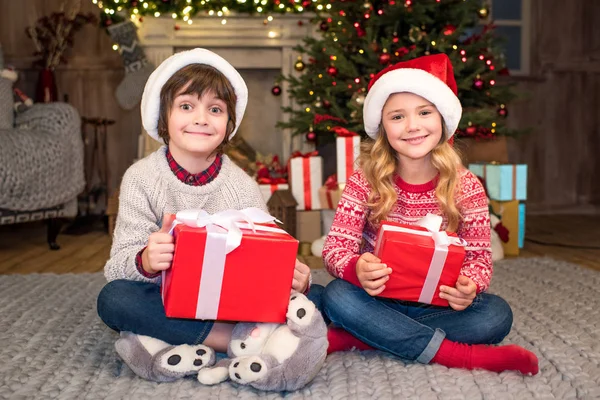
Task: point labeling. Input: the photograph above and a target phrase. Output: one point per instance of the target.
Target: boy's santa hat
(151, 97)
(430, 77)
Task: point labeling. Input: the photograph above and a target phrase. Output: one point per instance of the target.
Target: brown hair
(379, 163)
(196, 79)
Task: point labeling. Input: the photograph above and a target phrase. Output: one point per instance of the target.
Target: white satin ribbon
(223, 235)
(441, 241)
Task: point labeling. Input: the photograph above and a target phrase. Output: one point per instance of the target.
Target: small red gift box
(421, 260)
(210, 280)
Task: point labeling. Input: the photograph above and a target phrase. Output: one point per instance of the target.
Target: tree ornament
(311, 136)
(415, 34)
(368, 5)
(503, 111)
(318, 103)
(478, 83)
(276, 90)
(483, 12)
(471, 130)
(358, 98)
(449, 30)
(385, 58)
(326, 104)
(374, 46)
(299, 65)
(324, 26)
(332, 71)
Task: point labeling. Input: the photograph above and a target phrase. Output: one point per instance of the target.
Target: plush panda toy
(277, 357)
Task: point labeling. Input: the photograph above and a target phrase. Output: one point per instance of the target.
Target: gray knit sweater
(150, 189)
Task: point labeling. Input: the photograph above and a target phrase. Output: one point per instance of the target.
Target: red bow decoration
(271, 181)
(331, 182)
(326, 117)
(296, 153)
(343, 132)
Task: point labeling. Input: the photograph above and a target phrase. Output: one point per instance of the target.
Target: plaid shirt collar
(199, 179)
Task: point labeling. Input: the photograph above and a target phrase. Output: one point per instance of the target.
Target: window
(513, 21)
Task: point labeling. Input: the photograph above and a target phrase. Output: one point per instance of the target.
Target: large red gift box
(250, 283)
(421, 260)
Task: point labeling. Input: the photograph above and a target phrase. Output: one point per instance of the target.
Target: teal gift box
(504, 181)
(521, 224)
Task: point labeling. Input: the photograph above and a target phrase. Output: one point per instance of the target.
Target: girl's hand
(372, 274)
(301, 277)
(158, 255)
(462, 295)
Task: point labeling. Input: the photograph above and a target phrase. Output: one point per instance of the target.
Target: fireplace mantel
(245, 41)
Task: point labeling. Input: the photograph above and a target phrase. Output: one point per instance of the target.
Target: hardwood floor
(23, 248)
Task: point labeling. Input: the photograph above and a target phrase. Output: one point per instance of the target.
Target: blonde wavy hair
(379, 163)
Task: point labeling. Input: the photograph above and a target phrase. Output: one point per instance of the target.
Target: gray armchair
(41, 166)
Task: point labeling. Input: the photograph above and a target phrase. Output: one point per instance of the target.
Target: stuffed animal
(272, 356)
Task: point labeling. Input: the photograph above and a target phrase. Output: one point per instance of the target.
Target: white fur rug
(55, 346)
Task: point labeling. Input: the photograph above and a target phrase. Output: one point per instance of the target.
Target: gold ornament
(415, 34)
(368, 5)
(299, 66)
(358, 98)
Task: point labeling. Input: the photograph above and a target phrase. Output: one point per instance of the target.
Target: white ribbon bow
(230, 220)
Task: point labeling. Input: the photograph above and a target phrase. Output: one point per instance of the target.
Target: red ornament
(449, 30)
(471, 130)
(332, 71)
(326, 104)
(504, 72)
(177, 27)
(324, 26)
(276, 90)
(311, 136)
(385, 58)
(478, 83)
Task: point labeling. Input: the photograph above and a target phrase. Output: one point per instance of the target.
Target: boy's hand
(372, 274)
(301, 277)
(158, 255)
(462, 295)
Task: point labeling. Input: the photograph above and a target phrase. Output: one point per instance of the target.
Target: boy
(194, 103)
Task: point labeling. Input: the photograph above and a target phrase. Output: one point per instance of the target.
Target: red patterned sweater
(352, 234)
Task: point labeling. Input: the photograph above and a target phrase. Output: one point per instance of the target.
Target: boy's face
(197, 125)
(412, 124)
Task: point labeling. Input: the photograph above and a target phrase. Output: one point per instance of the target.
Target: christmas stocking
(137, 67)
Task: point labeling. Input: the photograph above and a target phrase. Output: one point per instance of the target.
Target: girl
(193, 103)
(410, 169)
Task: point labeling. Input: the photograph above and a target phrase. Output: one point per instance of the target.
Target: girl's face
(412, 124)
(197, 125)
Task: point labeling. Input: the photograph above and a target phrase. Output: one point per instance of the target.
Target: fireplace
(260, 52)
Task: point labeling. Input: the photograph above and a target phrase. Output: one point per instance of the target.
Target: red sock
(341, 340)
(491, 358)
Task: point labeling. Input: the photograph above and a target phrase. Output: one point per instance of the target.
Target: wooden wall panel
(561, 108)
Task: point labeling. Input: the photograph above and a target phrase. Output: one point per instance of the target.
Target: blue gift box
(504, 181)
(521, 224)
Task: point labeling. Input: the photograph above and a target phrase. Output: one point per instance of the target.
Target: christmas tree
(359, 38)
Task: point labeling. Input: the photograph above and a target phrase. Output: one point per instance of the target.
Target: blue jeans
(414, 331)
(137, 307)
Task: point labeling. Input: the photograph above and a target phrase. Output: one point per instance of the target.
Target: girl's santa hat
(430, 77)
(151, 97)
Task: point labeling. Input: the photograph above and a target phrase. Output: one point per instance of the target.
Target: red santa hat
(151, 98)
(430, 77)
